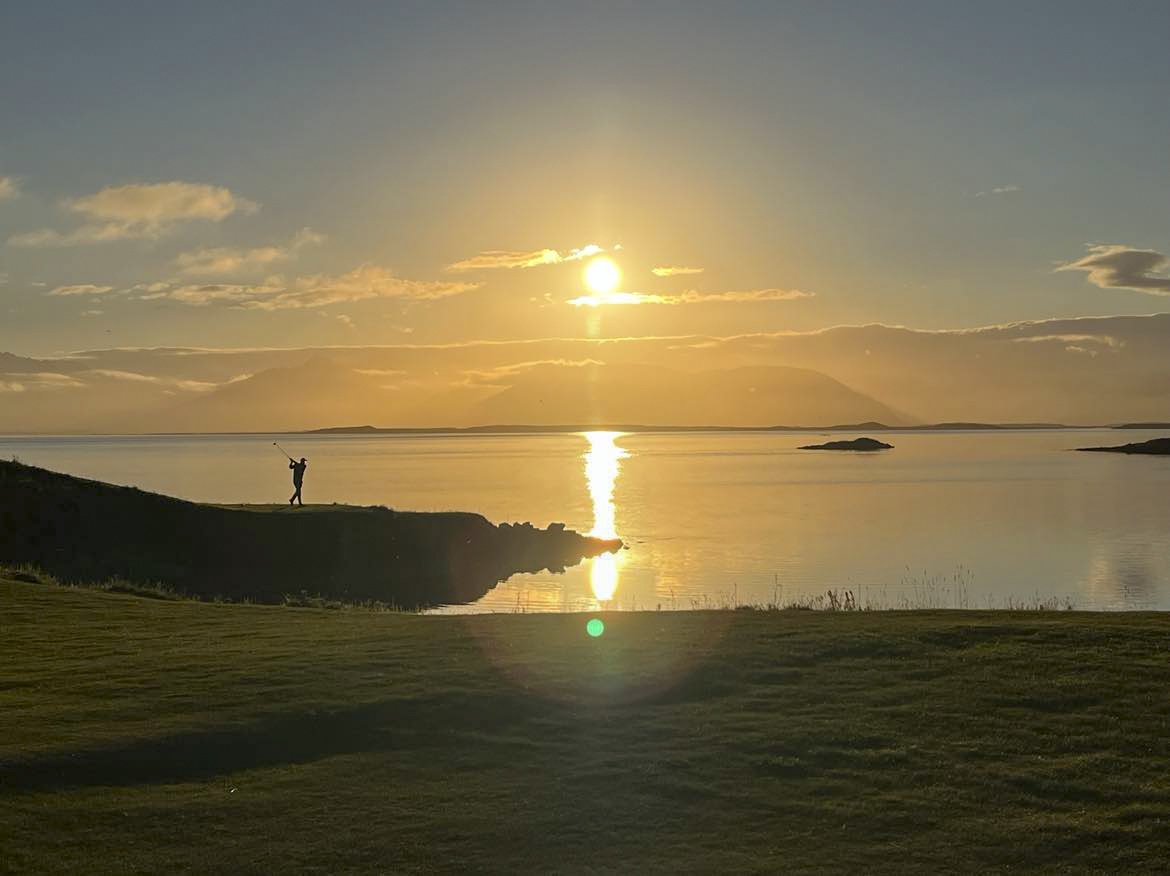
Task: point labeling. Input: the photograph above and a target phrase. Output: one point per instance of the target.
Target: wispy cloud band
(674, 271)
(362, 283)
(498, 258)
(745, 296)
(79, 289)
(225, 261)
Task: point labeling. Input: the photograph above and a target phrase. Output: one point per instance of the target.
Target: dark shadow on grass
(273, 740)
(707, 681)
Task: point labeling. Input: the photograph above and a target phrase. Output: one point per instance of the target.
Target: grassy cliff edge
(86, 531)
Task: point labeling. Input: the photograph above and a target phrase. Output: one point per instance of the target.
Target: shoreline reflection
(602, 466)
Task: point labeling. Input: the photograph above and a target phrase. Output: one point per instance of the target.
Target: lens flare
(595, 627)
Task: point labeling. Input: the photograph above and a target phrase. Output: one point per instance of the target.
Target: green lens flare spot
(595, 627)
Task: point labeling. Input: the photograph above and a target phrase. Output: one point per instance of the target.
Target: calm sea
(987, 519)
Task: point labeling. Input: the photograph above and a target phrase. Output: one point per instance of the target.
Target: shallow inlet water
(956, 519)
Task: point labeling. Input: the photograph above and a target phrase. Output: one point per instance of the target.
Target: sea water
(714, 519)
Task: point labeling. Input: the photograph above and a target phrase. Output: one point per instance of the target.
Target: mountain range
(1095, 370)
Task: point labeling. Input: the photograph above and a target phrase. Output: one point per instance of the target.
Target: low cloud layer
(38, 381)
(1103, 340)
(498, 258)
(138, 210)
(154, 380)
(9, 188)
(1117, 266)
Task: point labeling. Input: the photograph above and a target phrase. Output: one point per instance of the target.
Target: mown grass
(144, 735)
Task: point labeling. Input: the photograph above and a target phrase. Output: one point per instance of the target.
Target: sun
(602, 276)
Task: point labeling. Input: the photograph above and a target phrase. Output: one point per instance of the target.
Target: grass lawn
(141, 735)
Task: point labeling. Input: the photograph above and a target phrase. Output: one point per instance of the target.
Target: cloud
(114, 374)
(502, 375)
(1117, 266)
(513, 368)
(674, 271)
(692, 296)
(139, 210)
(9, 188)
(498, 258)
(149, 287)
(221, 261)
(621, 298)
(80, 289)
(360, 284)
(138, 377)
(999, 190)
(380, 372)
(38, 380)
(1105, 340)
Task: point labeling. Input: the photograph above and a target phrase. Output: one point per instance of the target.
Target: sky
(308, 175)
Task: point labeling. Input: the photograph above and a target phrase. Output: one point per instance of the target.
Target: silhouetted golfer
(298, 470)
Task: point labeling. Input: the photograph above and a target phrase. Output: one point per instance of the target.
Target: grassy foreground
(142, 735)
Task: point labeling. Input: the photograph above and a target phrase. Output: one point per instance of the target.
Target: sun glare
(602, 276)
(602, 464)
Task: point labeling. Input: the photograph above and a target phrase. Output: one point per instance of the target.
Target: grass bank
(141, 735)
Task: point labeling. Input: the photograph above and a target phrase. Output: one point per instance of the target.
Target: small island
(863, 444)
(1153, 447)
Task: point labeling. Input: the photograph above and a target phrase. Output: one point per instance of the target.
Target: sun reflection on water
(602, 464)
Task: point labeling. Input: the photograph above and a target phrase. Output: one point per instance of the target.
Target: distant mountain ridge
(654, 394)
(320, 391)
(1099, 370)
